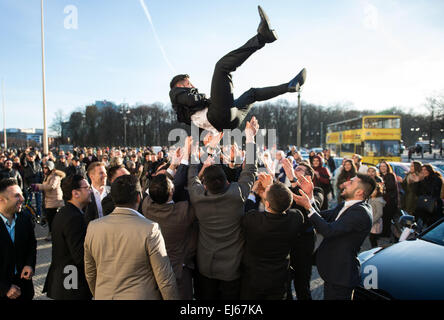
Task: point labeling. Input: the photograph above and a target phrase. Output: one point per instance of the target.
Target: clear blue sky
(373, 54)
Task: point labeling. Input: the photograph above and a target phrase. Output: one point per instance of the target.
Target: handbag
(426, 204)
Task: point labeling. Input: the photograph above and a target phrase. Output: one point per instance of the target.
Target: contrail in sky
(147, 13)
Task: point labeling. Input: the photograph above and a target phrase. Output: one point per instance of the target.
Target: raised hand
(251, 128)
(305, 183)
(302, 200)
(265, 179)
(288, 168)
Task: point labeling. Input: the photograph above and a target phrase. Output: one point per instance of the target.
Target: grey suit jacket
(220, 241)
(125, 258)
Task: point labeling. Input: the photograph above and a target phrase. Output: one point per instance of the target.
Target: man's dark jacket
(23, 252)
(68, 236)
(12, 173)
(336, 257)
(268, 240)
(187, 101)
(33, 173)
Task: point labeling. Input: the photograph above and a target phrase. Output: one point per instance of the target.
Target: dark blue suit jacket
(336, 257)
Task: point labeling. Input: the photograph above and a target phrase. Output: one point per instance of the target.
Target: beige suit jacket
(126, 259)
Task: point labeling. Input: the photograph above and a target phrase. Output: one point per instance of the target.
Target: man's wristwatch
(294, 180)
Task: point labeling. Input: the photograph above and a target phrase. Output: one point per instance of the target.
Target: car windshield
(435, 235)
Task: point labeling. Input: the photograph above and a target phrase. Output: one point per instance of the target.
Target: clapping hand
(288, 168)
(265, 179)
(303, 200)
(251, 129)
(305, 183)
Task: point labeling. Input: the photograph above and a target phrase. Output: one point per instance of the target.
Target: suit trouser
(214, 289)
(335, 292)
(225, 112)
(301, 261)
(50, 214)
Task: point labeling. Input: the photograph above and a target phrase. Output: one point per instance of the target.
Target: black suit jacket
(268, 240)
(336, 257)
(21, 253)
(68, 236)
(91, 211)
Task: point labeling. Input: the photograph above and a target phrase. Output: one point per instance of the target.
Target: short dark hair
(368, 184)
(214, 179)
(309, 171)
(69, 184)
(279, 197)
(160, 188)
(178, 78)
(113, 170)
(125, 190)
(6, 183)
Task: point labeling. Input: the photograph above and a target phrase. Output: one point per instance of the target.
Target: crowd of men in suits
(193, 229)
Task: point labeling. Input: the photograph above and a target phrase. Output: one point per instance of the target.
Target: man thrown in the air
(223, 111)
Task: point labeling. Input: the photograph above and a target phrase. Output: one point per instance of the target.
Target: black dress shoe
(264, 30)
(295, 84)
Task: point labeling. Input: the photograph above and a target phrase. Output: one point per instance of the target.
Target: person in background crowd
(410, 198)
(113, 173)
(377, 203)
(329, 160)
(97, 174)
(311, 156)
(51, 187)
(321, 179)
(347, 173)
(68, 235)
(125, 253)
(357, 159)
(18, 245)
(10, 172)
(430, 184)
(374, 173)
(76, 167)
(391, 195)
(89, 158)
(278, 169)
(33, 174)
(61, 164)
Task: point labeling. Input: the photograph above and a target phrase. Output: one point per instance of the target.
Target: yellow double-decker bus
(375, 138)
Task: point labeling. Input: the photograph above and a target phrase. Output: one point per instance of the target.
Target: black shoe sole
(264, 18)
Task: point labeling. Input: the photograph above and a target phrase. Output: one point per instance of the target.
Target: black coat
(268, 240)
(22, 252)
(336, 257)
(68, 236)
(12, 173)
(186, 102)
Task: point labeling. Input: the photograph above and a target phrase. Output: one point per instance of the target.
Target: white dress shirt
(200, 120)
(99, 197)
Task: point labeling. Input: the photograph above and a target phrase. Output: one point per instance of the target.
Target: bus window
(372, 148)
(390, 123)
(391, 148)
(382, 148)
(348, 148)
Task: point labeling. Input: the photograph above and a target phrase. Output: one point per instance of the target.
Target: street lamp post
(124, 109)
(4, 117)
(299, 121)
(45, 132)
